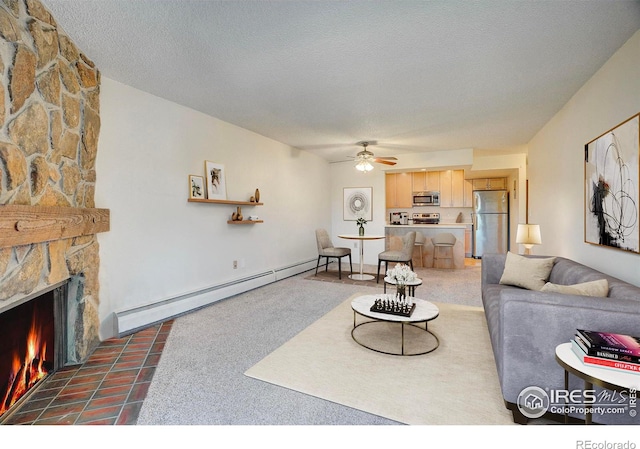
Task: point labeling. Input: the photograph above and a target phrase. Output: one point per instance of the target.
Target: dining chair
(405, 255)
(327, 250)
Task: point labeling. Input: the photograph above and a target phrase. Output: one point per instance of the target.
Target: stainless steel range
(430, 218)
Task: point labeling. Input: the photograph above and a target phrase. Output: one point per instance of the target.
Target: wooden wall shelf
(244, 221)
(235, 203)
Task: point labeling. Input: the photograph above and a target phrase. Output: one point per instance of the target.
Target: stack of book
(607, 350)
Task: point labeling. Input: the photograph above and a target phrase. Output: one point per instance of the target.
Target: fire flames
(25, 373)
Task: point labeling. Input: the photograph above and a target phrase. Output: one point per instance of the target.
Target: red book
(609, 363)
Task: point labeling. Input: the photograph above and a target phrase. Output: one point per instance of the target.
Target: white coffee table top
(424, 311)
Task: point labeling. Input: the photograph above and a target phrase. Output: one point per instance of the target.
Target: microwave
(426, 198)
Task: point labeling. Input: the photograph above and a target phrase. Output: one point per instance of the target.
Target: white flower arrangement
(401, 273)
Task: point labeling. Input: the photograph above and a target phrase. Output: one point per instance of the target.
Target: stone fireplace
(49, 126)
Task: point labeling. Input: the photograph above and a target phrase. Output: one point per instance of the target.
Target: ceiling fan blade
(389, 158)
(380, 161)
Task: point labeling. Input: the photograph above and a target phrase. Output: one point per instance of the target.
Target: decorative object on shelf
(239, 214)
(402, 274)
(196, 187)
(357, 203)
(234, 216)
(361, 222)
(611, 187)
(257, 195)
(216, 185)
(528, 235)
(252, 199)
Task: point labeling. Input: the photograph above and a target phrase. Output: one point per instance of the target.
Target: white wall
(160, 246)
(556, 163)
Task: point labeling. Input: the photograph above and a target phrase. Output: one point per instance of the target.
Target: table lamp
(528, 235)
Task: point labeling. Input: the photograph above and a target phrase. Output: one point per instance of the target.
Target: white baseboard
(132, 320)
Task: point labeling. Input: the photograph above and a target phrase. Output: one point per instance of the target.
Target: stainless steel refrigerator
(490, 222)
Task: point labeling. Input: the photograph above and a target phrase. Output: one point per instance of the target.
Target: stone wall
(49, 126)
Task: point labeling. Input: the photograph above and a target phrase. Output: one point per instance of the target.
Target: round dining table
(361, 276)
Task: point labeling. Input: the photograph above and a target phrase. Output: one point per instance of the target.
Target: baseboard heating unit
(132, 320)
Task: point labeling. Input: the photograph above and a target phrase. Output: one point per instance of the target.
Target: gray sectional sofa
(525, 326)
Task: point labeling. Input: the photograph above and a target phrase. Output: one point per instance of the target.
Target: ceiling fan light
(364, 166)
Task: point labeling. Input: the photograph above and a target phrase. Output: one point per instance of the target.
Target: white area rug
(455, 384)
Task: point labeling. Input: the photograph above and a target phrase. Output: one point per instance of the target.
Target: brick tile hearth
(108, 389)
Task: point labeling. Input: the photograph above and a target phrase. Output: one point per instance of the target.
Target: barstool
(420, 240)
(443, 250)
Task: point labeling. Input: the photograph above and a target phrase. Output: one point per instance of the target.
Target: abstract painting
(216, 186)
(611, 187)
(357, 203)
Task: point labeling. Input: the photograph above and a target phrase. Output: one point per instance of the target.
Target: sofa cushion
(526, 272)
(593, 288)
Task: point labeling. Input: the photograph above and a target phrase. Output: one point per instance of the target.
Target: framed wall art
(196, 187)
(612, 215)
(216, 185)
(358, 203)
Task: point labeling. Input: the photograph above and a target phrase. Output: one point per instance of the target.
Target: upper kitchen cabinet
(425, 181)
(490, 184)
(399, 191)
(452, 188)
(467, 201)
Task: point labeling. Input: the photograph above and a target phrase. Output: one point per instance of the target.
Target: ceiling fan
(365, 157)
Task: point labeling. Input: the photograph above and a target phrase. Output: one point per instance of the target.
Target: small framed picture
(216, 185)
(196, 187)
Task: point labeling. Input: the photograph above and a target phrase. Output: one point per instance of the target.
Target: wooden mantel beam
(23, 225)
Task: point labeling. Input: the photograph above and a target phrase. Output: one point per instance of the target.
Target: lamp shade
(528, 234)
(364, 165)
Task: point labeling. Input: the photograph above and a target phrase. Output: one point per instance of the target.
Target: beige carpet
(455, 384)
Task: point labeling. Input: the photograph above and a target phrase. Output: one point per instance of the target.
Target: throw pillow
(598, 288)
(526, 272)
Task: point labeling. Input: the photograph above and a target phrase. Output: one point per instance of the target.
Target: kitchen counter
(394, 234)
(439, 225)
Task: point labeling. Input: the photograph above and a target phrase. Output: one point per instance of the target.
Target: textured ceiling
(322, 75)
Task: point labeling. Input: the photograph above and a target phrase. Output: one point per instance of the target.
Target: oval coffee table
(423, 313)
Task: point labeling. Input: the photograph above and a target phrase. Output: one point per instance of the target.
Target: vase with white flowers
(361, 222)
(401, 274)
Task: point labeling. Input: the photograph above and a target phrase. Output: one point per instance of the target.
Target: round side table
(411, 285)
(614, 380)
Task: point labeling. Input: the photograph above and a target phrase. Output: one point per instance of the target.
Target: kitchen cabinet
(399, 191)
(452, 192)
(490, 184)
(468, 242)
(467, 200)
(425, 181)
